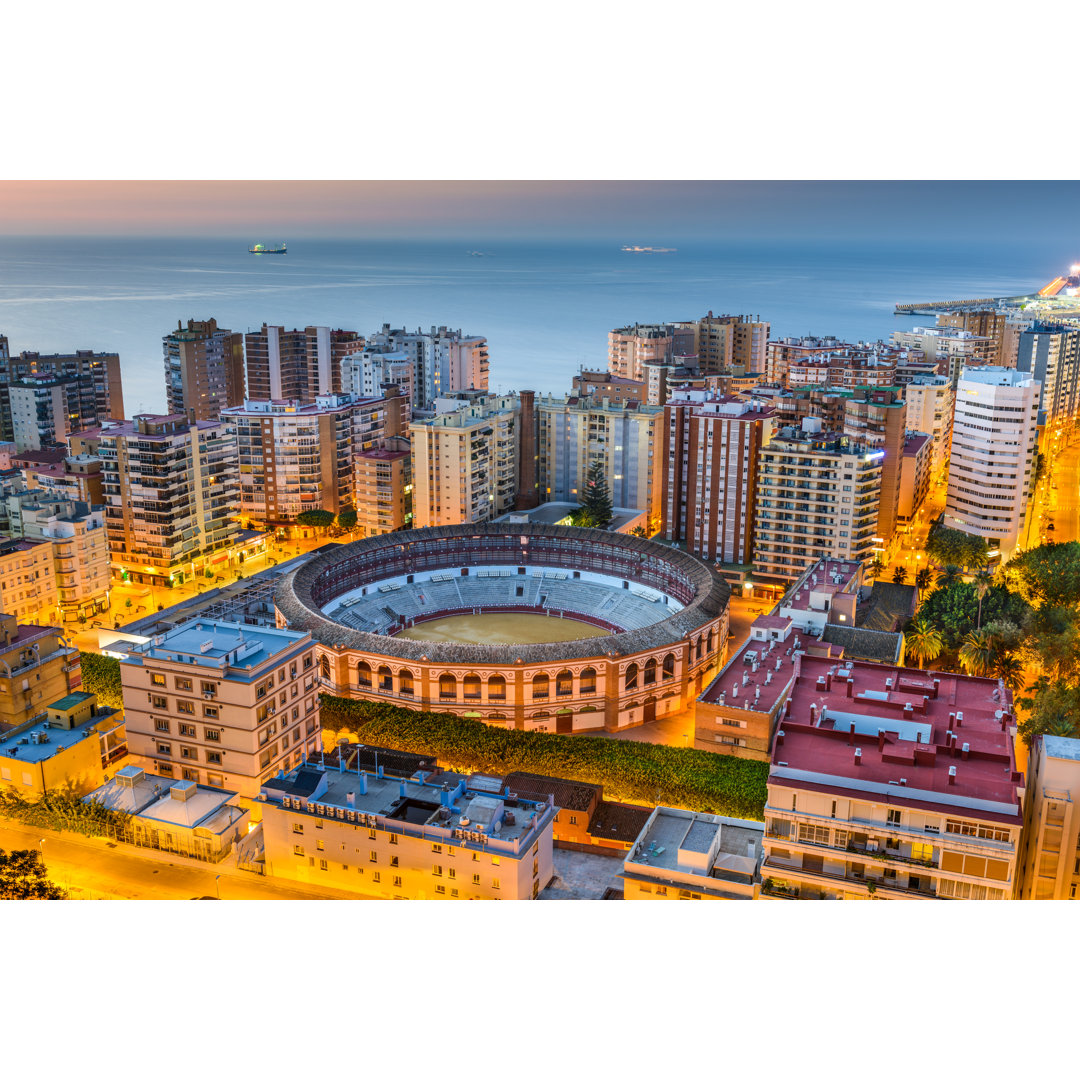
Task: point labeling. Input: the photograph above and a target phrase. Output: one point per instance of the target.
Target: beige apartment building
(465, 460)
(384, 489)
(930, 403)
(427, 836)
(818, 495)
(37, 666)
(297, 365)
(28, 581)
(631, 349)
(295, 457)
(951, 349)
(723, 342)
(915, 476)
(984, 323)
(1050, 858)
(171, 490)
(204, 369)
(221, 704)
(572, 433)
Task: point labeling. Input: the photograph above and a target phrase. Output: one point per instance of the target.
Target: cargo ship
(647, 250)
(261, 249)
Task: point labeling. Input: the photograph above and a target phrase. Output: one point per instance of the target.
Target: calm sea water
(545, 307)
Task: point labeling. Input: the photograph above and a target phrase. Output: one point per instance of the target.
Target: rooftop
(924, 737)
(440, 806)
(383, 455)
(824, 579)
(1057, 747)
(617, 821)
(207, 643)
(701, 844)
(568, 794)
(42, 742)
(914, 443)
(888, 606)
(859, 643)
(180, 803)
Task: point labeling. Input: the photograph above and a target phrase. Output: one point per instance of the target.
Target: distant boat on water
(478, 254)
(262, 249)
(647, 250)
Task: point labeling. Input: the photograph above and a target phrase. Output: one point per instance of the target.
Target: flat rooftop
(21, 746)
(702, 844)
(824, 579)
(765, 666)
(902, 720)
(208, 643)
(152, 797)
(412, 802)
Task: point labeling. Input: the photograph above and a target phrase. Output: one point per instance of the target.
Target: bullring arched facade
(605, 683)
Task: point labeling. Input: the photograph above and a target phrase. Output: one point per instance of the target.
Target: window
(165, 768)
(393, 838)
(923, 852)
(190, 774)
(191, 753)
(322, 865)
(813, 834)
(161, 725)
(213, 757)
(160, 702)
(397, 883)
(894, 817)
(441, 889)
(186, 707)
(215, 779)
(451, 873)
(476, 879)
(157, 679)
(371, 834)
(969, 828)
(573, 820)
(164, 748)
(188, 730)
(494, 860)
(376, 877)
(209, 689)
(298, 827)
(210, 711)
(211, 734)
(182, 684)
(437, 870)
(436, 849)
(319, 845)
(373, 856)
(298, 849)
(495, 883)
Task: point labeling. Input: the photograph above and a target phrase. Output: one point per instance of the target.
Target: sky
(653, 211)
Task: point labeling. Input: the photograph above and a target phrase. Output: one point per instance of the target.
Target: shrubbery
(101, 676)
(62, 810)
(634, 771)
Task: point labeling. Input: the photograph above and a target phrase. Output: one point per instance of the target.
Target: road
(92, 870)
(1062, 505)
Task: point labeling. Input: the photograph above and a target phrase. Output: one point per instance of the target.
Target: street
(93, 870)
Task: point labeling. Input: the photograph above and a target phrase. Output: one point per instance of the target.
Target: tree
(950, 576)
(22, 877)
(1049, 574)
(924, 577)
(982, 584)
(1011, 671)
(1052, 709)
(347, 520)
(596, 499)
(977, 655)
(922, 640)
(900, 575)
(954, 609)
(639, 530)
(315, 519)
(956, 548)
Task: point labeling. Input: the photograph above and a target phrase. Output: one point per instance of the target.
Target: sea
(545, 306)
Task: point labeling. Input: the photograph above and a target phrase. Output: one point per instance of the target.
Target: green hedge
(63, 811)
(101, 676)
(633, 771)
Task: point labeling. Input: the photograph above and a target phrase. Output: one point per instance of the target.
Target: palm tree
(1010, 669)
(1062, 726)
(923, 640)
(949, 576)
(982, 584)
(900, 576)
(924, 577)
(977, 653)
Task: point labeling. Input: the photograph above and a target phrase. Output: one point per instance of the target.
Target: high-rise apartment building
(465, 460)
(370, 372)
(384, 488)
(984, 323)
(444, 361)
(950, 348)
(991, 471)
(204, 369)
(45, 409)
(845, 367)
(28, 581)
(632, 348)
(915, 476)
(171, 489)
(817, 496)
(1050, 354)
(709, 455)
(99, 392)
(888, 782)
(295, 457)
(780, 352)
(877, 419)
(602, 384)
(572, 433)
(223, 704)
(296, 365)
(1050, 856)
(930, 402)
(723, 342)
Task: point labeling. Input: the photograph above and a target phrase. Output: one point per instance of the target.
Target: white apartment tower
(991, 472)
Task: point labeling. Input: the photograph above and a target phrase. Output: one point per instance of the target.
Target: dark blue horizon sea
(545, 307)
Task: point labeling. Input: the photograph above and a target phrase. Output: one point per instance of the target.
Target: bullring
(663, 614)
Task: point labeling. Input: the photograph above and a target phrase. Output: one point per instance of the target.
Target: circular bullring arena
(535, 627)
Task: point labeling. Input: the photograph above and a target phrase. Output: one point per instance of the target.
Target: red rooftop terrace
(921, 738)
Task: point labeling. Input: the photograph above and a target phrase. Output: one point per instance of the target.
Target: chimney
(350, 799)
(850, 686)
(964, 750)
(363, 783)
(828, 680)
(880, 740)
(937, 687)
(858, 755)
(401, 789)
(780, 737)
(959, 719)
(952, 719)
(952, 774)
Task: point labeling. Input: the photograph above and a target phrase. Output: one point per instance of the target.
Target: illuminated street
(92, 870)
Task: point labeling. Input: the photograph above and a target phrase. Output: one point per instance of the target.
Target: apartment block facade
(991, 470)
(222, 704)
(572, 433)
(384, 489)
(444, 361)
(296, 365)
(37, 666)
(951, 349)
(465, 460)
(1050, 859)
(723, 342)
(170, 492)
(1051, 356)
(817, 495)
(930, 404)
(892, 783)
(204, 369)
(709, 458)
(430, 836)
(371, 372)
